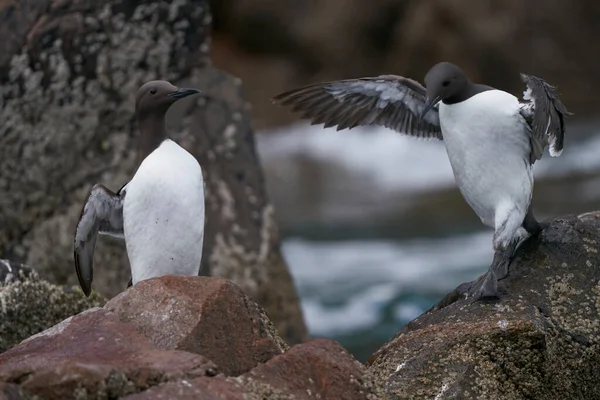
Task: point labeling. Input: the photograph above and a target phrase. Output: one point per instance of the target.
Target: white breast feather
(164, 214)
(488, 147)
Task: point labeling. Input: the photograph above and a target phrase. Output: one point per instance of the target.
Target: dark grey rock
(540, 341)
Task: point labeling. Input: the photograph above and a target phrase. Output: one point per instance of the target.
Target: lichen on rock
(32, 305)
(541, 340)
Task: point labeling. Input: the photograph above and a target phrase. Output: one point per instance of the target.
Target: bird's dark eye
(445, 83)
(153, 91)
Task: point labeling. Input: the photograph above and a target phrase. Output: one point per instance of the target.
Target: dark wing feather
(388, 100)
(545, 115)
(102, 213)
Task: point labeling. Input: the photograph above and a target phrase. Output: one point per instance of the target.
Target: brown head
(152, 102)
(157, 96)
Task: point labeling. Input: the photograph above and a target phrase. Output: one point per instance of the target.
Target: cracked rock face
(110, 360)
(177, 337)
(67, 83)
(208, 316)
(317, 369)
(542, 340)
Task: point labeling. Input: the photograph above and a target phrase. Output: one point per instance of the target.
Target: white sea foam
(385, 156)
(360, 277)
(394, 161)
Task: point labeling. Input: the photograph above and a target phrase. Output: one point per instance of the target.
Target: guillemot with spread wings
(491, 137)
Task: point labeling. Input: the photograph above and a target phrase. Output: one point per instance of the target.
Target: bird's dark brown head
(157, 96)
(152, 102)
(444, 82)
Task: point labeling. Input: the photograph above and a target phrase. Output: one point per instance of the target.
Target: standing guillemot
(492, 139)
(160, 211)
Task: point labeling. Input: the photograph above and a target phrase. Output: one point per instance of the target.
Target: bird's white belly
(163, 214)
(488, 148)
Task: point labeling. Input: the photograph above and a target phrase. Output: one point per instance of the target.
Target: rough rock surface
(95, 355)
(318, 369)
(217, 388)
(31, 305)
(540, 341)
(208, 316)
(68, 77)
(274, 45)
(155, 341)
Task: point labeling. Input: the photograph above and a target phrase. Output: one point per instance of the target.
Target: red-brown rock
(94, 353)
(217, 388)
(320, 368)
(208, 316)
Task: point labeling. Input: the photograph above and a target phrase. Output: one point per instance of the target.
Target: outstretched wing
(388, 100)
(545, 115)
(102, 213)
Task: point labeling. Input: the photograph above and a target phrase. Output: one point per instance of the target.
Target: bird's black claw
(488, 290)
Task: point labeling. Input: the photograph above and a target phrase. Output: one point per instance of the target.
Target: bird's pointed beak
(428, 106)
(183, 92)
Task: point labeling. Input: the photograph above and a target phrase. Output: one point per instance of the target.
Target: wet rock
(541, 340)
(95, 355)
(69, 71)
(31, 305)
(208, 316)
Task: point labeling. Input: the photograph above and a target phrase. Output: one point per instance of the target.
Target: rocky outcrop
(217, 388)
(177, 337)
(29, 305)
(208, 316)
(276, 45)
(95, 355)
(540, 341)
(318, 369)
(69, 71)
(199, 337)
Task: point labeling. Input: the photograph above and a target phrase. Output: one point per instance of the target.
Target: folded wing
(388, 100)
(102, 213)
(545, 115)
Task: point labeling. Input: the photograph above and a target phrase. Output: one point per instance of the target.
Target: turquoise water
(361, 292)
